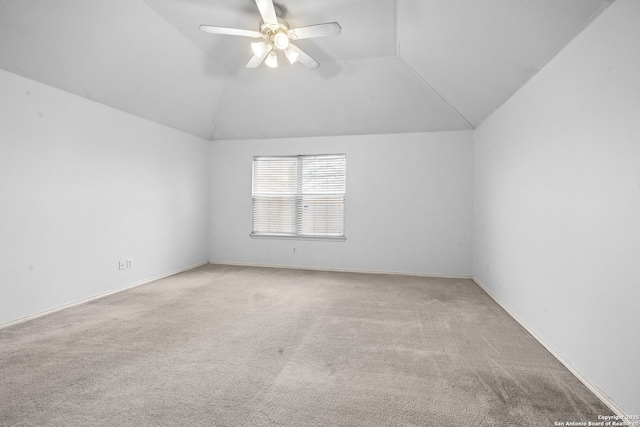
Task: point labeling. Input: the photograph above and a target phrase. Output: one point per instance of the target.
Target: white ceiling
(398, 66)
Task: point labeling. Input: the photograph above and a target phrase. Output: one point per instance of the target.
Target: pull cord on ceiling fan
(276, 36)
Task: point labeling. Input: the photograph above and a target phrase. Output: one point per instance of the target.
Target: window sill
(286, 237)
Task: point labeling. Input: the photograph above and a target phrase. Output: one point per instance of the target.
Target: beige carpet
(236, 346)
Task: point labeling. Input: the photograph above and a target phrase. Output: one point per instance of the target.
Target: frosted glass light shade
(291, 55)
(272, 60)
(258, 48)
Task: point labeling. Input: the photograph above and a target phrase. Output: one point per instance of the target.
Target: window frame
(299, 194)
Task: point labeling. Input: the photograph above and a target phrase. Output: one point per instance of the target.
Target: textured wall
(408, 204)
(557, 203)
(83, 186)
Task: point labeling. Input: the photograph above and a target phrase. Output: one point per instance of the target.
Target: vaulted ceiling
(398, 66)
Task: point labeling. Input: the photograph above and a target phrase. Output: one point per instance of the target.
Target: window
(299, 196)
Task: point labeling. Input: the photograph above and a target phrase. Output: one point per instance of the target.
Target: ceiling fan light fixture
(291, 55)
(281, 40)
(272, 60)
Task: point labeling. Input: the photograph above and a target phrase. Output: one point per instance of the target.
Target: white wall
(83, 186)
(408, 204)
(557, 204)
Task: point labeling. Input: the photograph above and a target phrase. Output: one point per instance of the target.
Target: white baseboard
(339, 270)
(102, 295)
(584, 380)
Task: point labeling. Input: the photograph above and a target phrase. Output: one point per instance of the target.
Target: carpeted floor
(242, 346)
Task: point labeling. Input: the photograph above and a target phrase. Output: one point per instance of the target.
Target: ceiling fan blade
(319, 30)
(303, 58)
(267, 11)
(256, 60)
(229, 31)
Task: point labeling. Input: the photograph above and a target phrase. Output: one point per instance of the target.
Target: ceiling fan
(276, 36)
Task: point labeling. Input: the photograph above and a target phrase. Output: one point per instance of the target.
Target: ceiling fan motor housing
(272, 33)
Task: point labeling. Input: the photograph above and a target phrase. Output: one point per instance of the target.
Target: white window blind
(299, 196)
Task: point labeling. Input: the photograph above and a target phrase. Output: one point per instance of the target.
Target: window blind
(299, 195)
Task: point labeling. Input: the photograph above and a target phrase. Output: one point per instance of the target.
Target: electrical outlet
(122, 265)
(128, 263)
